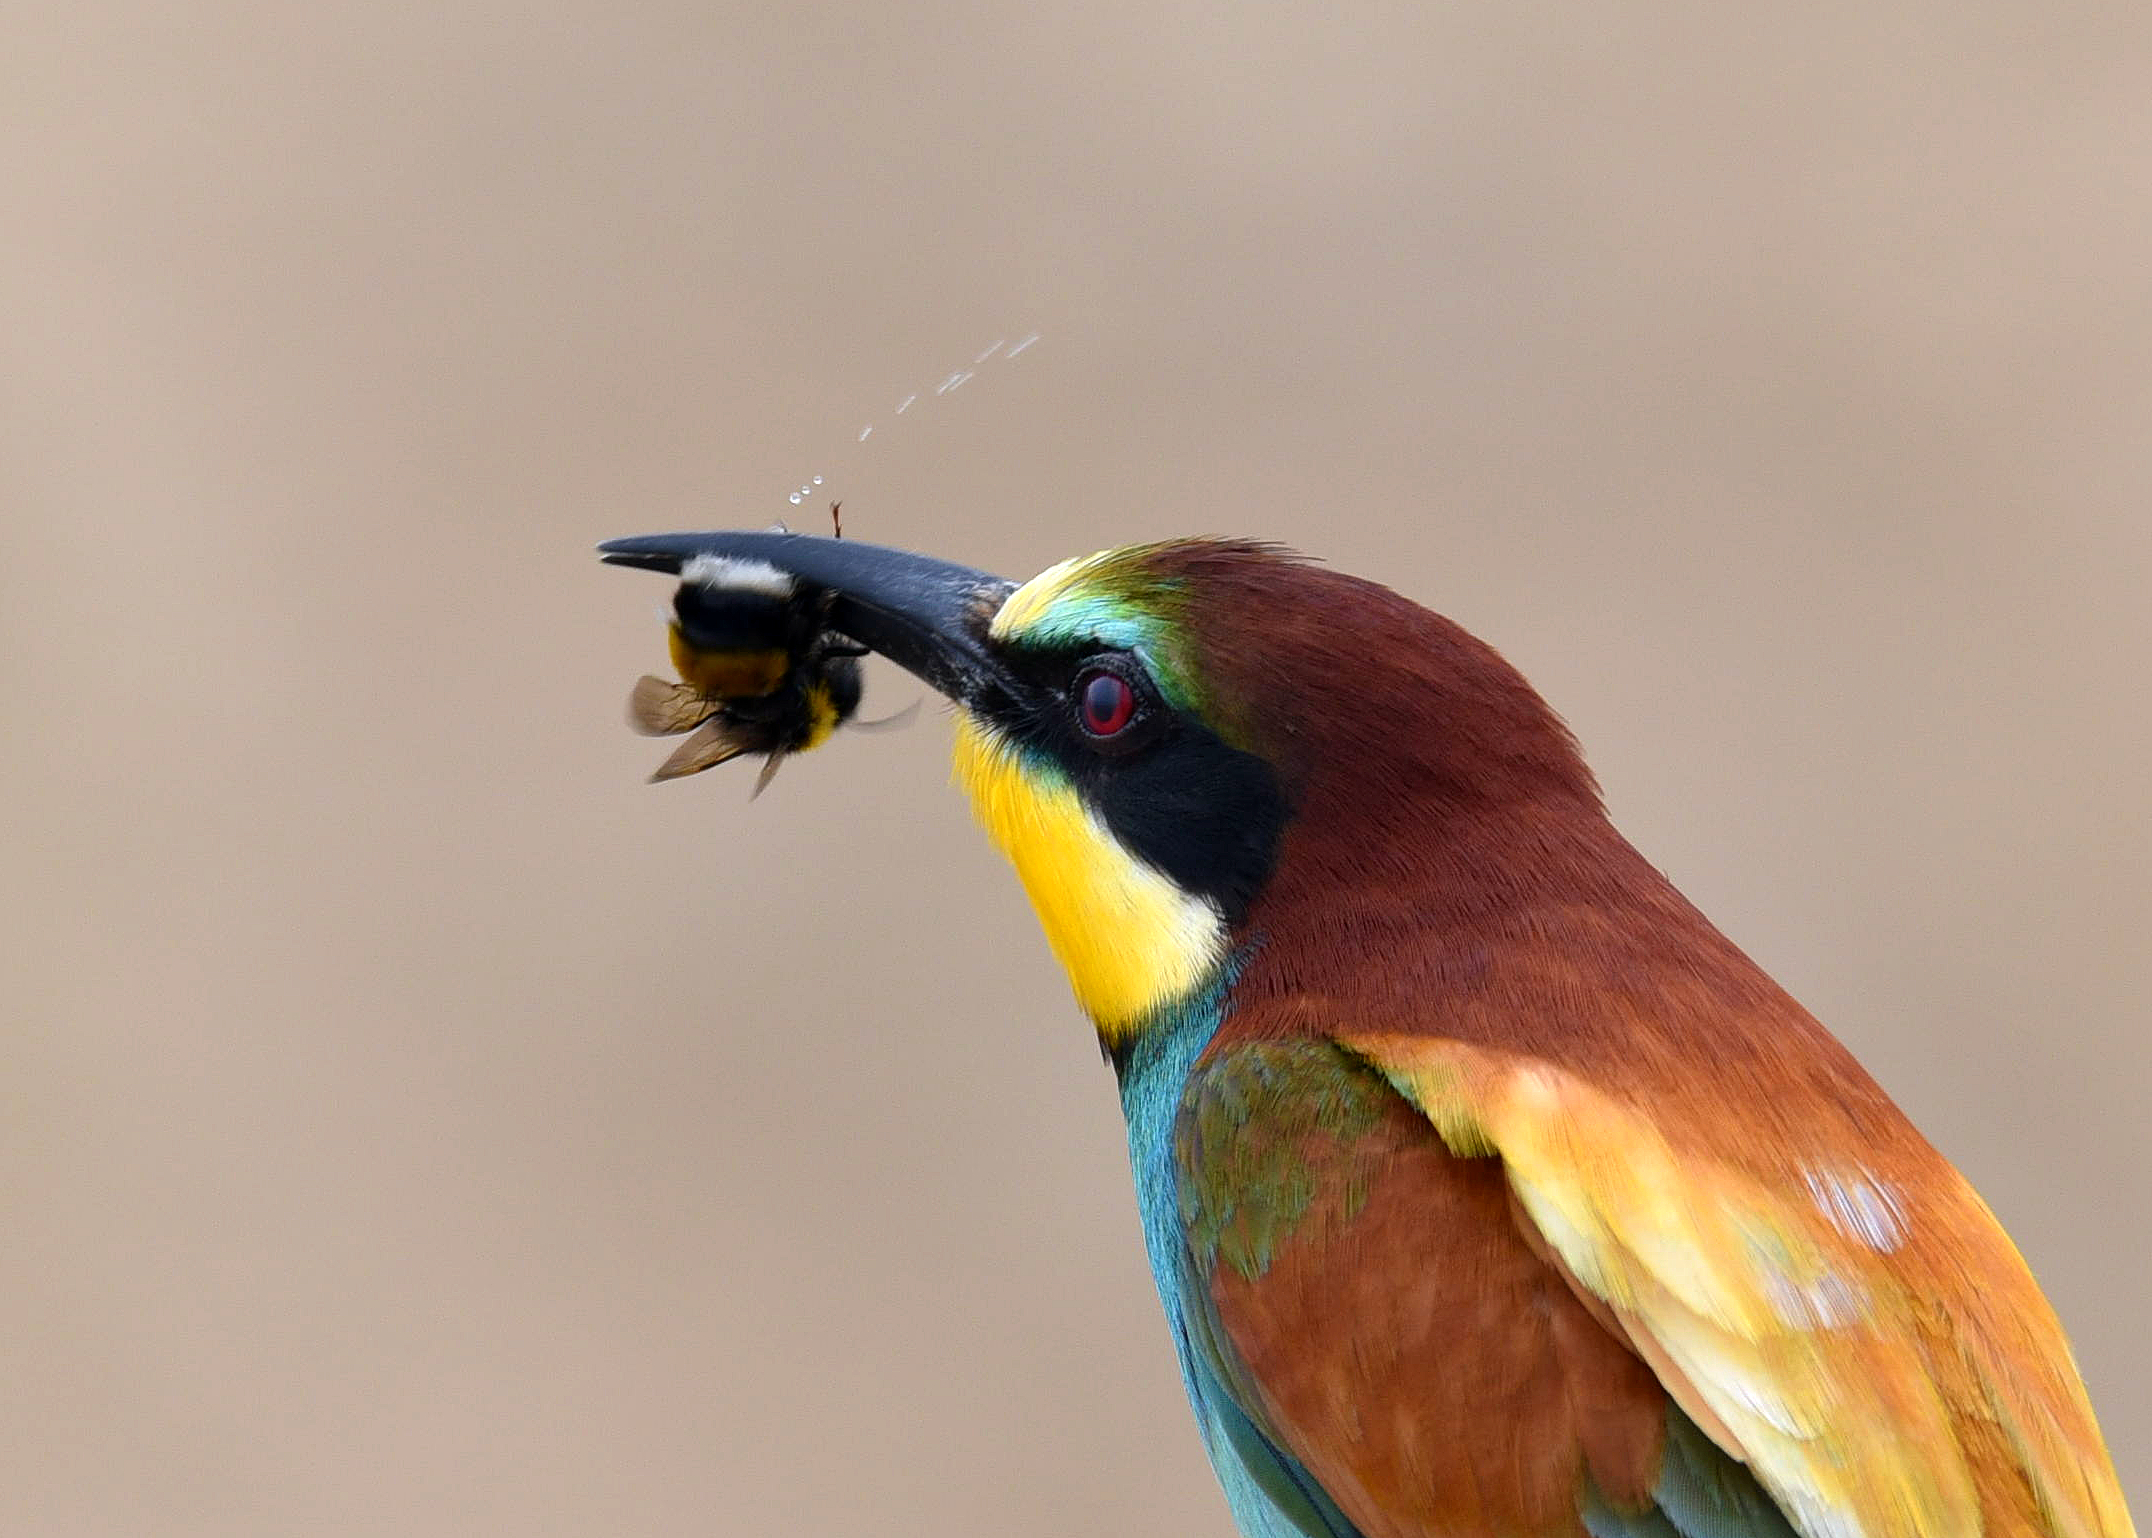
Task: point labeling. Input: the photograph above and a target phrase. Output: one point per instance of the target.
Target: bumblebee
(760, 669)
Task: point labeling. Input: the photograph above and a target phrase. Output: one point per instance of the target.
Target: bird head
(1192, 747)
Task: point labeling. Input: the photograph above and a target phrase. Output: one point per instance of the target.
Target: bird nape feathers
(1490, 1191)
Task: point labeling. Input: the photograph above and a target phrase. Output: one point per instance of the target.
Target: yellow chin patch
(1129, 938)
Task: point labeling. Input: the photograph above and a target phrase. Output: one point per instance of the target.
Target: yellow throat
(1129, 938)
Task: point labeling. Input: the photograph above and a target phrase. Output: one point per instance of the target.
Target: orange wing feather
(1390, 1321)
(1870, 1344)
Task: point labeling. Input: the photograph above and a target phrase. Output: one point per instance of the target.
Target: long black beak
(927, 616)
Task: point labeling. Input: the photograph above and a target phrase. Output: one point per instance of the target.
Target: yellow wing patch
(1129, 938)
(1801, 1341)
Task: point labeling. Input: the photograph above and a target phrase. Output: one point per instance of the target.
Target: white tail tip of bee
(733, 572)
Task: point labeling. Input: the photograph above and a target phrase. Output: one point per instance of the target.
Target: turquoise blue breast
(1270, 1494)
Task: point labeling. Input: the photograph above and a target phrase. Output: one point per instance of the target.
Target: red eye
(1105, 701)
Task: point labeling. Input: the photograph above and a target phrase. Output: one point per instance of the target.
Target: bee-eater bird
(1490, 1191)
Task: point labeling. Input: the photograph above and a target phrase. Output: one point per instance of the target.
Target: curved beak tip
(927, 615)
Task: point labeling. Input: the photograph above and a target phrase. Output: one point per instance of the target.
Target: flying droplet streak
(818, 480)
(956, 379)
(797, 499)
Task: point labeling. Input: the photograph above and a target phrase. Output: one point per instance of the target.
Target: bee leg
(888, 723)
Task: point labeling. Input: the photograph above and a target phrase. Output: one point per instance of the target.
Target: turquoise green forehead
(1115, 600)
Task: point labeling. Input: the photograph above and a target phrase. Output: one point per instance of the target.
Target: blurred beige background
(416, 1124)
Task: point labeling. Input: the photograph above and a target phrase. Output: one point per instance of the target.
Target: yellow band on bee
(821, 716)
(1129, 939)
(729, 674)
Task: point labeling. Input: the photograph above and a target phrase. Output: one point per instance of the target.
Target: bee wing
(712, 744)
(660, 708)
(769, 773)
